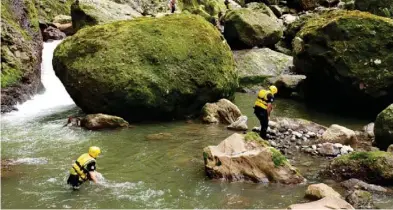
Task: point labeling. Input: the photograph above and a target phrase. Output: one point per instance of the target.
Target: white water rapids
(53, 100)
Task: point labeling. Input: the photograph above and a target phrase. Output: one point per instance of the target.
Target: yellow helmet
(273, 89)
(94, 151)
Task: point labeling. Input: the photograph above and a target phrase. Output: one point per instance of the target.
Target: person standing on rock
(84, 168)
(263, 108)
(172, 5)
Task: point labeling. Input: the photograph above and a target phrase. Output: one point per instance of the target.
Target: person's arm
(93, 176)
(270, 99)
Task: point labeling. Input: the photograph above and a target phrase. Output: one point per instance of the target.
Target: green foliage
(278, 158)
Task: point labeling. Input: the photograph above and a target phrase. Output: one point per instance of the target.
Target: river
(138, 171)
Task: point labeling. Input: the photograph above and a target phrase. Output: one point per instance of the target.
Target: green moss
(33, 14)
(253, 136)
(383, 128)
(247, 81)
(147, 66)
(278, 158)
(48, 9)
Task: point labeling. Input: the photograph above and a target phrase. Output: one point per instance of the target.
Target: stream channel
(137, 171)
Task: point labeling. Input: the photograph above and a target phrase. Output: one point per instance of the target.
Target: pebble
(304, 138)
(314, 147)
(272, 143)
(299, 142)
(338, 145)
(297, 147)
(311, 134)
(297, 134)
(319, 145)
(293, 138)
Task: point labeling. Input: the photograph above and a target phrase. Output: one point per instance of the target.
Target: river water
(139, 170)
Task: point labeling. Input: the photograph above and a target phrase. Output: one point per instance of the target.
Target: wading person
(84, 168)
(263, 108)
(172, 5)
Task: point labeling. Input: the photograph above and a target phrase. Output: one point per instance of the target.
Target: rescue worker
(263, 108)
(84, 168)
(172, 5)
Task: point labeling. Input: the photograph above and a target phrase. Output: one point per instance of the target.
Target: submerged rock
(159, 136)
(256, 65)
(356, 184)
(372, 167)
(247, 28)
(321, 190)
(361, 199)
(327, 203)
(248, 158)
(102, 121)
(239, 125)
(223, 111)
(339, 134)
(383, 128)
(347, 54)
(147, 69)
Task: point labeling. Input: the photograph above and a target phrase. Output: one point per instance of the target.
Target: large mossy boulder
(247, 28)
(93, 12)
(373, 167)
(257, 65)
(248, 158)
(383, 128)
(209, 9)
(148, 68)
(21, 46)
(348, 60)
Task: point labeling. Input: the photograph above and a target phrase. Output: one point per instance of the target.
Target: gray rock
(369, 130)
(361, 199)
(328, 149)
(338, 145)
(314, 147)
(288, 19)
(353, 184)
(345, 150)
(311, 134)
(304, 138)
(240, 124)
(390, 148)
(297, 134)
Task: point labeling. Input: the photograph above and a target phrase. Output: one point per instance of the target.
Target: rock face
(52, 33)
(356, 184)
(326, 203)
(347, 54)
(361, 199)
(94, 12)
(383, 128)
(224, 111)
(247, 157)
(373, 167)
(102, 121)
(247, 28)
(288, 84)
(318, 191)
(339, 134)
(256, 65)
(147, 69)
(239, 125)
(21, 46)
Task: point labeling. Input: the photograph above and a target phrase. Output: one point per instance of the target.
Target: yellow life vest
(262, 99)
(79, 167)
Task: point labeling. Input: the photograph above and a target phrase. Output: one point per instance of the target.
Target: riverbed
(139, 170)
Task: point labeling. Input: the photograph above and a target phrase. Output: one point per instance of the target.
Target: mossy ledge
(147, 68)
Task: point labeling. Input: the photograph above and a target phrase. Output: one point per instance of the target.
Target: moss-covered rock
(383, 128)
(247, 28)
(248, 158)
(148, 68)
(373, 167)
(211, 8)
(347, 55)
(378, 7)
(89, 13)
(21, 45)
(103, 121)
(256, 65)
(49, 9)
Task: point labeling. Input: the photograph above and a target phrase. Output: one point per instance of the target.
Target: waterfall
(53, 100)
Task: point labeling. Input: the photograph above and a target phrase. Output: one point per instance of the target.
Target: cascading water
(54, 99)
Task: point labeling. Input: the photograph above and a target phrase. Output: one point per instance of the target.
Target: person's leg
(173, 8)
(264, 124)
(73, 180)
(259, 113)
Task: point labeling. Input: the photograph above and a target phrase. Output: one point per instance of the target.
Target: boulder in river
(288, 84)
(356, 184)
(247, 28)
(52, 33)
(102, 121)
(339, 134)
(383, 128)
(240, 124)
(361, 199)
(256, 65)
(373, 167)
(321, 190)
(248, 158)
(327, 203)
(223, 111)
(147, 69)
(346, 56)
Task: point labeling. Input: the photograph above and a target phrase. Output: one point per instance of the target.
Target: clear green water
(140, 172)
